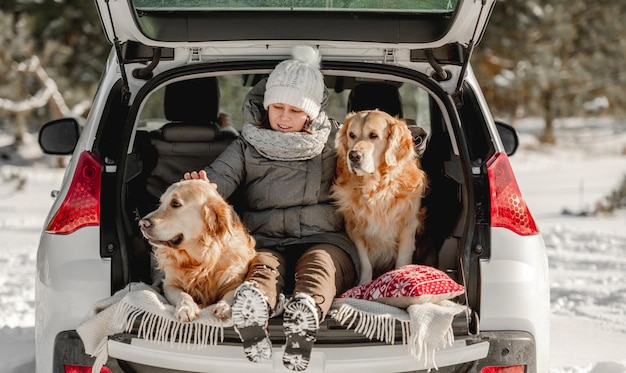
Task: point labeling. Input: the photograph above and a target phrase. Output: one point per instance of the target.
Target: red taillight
(508, 209)
(509, 369)
(81, 206)
(83, 369)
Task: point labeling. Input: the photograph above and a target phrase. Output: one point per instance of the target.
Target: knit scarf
(289, 146)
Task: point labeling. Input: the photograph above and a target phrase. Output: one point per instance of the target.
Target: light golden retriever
(201, 246)
(378, 189)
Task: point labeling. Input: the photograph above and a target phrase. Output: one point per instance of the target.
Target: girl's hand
(200, 175)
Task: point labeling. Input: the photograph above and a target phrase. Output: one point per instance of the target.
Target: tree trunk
(547, 137)
(21, 127)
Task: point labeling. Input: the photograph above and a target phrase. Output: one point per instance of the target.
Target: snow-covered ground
(587, 254)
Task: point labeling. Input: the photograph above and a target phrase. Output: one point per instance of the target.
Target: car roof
(420, 24)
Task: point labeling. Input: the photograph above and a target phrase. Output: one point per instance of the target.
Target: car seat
(381, 96)
(192, 138)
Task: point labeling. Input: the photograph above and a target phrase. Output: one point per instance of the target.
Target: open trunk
(156, 158)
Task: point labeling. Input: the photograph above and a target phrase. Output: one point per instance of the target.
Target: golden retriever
(201, 246)
(378, 189)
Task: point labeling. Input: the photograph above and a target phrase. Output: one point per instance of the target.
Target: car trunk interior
(177, 131)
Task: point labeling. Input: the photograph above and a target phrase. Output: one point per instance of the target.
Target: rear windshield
(378, 6)
(409, 102)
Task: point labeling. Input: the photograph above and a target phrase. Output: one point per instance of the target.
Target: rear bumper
(130, 354)
(376, 358)
(508, 348)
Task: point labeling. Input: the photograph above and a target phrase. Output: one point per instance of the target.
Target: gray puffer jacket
(284, 202)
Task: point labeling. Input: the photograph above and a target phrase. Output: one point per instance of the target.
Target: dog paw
(187, 311)
(221, 310)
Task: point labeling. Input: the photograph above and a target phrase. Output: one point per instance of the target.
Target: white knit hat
(297, 82)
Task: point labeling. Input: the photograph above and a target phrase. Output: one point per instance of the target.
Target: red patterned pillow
(410, 284)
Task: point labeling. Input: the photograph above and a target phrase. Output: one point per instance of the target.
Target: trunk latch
(195, 55)
(390, 56)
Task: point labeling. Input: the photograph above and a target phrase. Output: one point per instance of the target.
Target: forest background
(538, 58)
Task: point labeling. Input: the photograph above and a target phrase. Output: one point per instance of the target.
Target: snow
(561, 184)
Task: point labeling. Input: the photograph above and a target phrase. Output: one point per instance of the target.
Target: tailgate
(142, 355)
(337, 349)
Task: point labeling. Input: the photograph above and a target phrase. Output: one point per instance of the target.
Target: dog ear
(341, 139)
(218, 219)
(341, 147)
(399, 142)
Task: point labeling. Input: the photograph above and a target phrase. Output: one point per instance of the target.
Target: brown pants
(322, 271)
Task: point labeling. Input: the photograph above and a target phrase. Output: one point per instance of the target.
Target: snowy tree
(51, 58)
(553, 58)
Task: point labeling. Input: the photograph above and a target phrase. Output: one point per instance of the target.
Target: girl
(283, 164)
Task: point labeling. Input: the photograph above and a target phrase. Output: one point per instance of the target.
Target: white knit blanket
(118, 313)
(425, 327)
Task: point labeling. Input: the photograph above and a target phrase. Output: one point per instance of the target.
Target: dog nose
(145, 223)
(355, 155)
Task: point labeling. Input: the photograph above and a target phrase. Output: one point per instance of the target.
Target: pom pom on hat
(297, 82)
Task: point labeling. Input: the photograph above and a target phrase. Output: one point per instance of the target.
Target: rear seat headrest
(193, 100)
(369, 96)
(176, 132)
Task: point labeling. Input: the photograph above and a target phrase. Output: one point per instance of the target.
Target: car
(175, 67)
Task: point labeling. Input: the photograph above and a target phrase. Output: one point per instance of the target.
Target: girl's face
(286, 118)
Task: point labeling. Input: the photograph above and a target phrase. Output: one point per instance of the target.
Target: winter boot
(250, 316)
(300, 322)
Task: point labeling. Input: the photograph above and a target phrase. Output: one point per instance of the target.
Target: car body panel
(519, 266)
(65, 265)
(63, 271)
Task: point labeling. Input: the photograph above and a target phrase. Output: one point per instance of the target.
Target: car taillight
(83, 369)
(508, 369)
(508, 209)
(81, 206)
